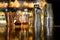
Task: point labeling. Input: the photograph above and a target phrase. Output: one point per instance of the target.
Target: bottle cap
(25, 9)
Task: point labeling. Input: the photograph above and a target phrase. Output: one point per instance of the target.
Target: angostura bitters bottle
(37, 22)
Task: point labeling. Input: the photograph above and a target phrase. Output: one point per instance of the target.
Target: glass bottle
(37, 22)
(15, 24)
(25, 24)
(18, 22)
(3, 25)
(42, 29)
(42, 4)
(31, 24)
(49, 21)
(25, 4)
(16, 4)
(11, 28)
(46, 21)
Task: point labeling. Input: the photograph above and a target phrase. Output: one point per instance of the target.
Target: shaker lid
(36, 5)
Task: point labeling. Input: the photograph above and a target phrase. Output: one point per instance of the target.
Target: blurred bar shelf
(15, 9)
